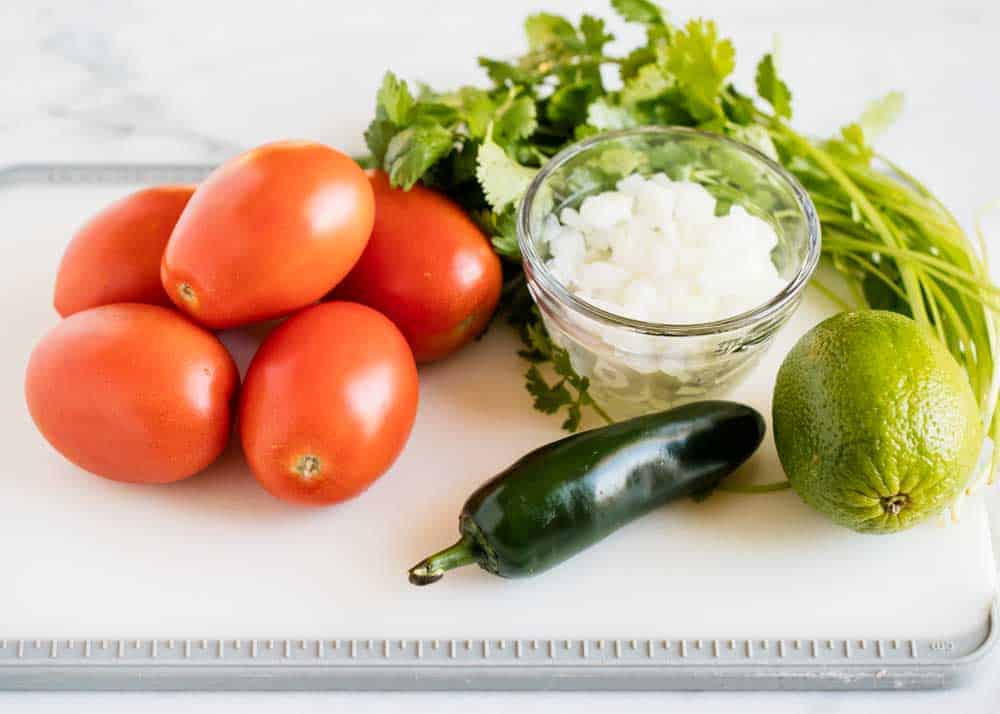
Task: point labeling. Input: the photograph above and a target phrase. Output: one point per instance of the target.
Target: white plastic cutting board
(216, 556)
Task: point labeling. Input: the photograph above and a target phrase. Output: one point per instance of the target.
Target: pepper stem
(430, 570)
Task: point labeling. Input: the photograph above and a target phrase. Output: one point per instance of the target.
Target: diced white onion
(654, 250)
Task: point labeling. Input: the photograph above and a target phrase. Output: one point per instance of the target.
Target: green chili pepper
(568, 495)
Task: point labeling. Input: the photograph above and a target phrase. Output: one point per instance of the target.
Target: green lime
(875, 422)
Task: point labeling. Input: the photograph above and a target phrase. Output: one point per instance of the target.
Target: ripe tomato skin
(116, 255)
(132, 392)
(267, 233)
(428, 268)
(328, 403)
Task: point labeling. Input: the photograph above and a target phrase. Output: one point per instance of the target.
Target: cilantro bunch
(897, 246)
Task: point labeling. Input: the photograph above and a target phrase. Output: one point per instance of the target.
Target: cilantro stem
(878, 221)
(836, 238)
(830, 294)
(600, 411)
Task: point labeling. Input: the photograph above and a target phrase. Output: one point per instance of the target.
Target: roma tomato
(428, 268)
(132, 392)
(268, 233)
(328, 403)
(116, 255)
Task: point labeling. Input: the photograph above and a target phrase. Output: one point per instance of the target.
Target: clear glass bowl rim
(537, 270)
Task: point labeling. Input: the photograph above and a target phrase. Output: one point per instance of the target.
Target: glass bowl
(636, 367)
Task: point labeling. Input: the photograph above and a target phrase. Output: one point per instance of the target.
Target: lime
(875, 422)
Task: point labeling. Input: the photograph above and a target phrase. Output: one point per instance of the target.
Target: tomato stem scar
(187, 293)
(308, 466)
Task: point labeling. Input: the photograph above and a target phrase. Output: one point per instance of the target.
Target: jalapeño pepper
(568, 495)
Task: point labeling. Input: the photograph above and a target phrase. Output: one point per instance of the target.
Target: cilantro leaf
(880, 114)
(393, 104)
(502, 229)
(620, 161)
(851, 146)
(854, 135)
(503, 73)
(771, 88)
(366, 161)
(563, 367)
(548, 400)
(571, 391)
(642, 11)
(649, 83)
(412, 151)
(393, 101)
(408, 136)
(701, 62)
(517, 121)
(532, 356)
(551, 32)
(595, 36)
(567, 106)
(738, 107)
(506, 245)
(634, 61)
(504, 238)
(573, 416)
(538, 338)
(604, 115)
(503, 180)
(377, 136)
(436, 112)
(476, 109)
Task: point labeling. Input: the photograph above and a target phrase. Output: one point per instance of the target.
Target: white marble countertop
(192, 81)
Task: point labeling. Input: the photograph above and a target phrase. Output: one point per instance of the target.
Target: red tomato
(268, 233)
(132, 393)
(328, 403)
(428, 268)
(115, 256)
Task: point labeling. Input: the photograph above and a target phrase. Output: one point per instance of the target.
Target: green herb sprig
(897, 246)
